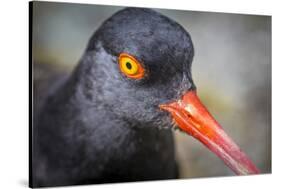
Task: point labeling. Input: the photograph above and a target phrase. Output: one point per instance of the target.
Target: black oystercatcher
(111, 119)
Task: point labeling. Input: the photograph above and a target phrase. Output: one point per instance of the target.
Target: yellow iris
(130, 66)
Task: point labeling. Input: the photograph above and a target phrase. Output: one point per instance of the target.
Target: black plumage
(97, 125)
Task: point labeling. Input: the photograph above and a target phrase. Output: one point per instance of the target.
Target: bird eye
(130, 66)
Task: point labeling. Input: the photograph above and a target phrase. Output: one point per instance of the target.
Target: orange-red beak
(193, 118)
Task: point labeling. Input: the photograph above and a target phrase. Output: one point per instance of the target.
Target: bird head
(140, 63)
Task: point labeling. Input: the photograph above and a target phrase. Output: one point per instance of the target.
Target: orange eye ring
(130, 66)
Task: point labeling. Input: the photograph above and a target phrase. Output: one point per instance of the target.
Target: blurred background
(231, 67)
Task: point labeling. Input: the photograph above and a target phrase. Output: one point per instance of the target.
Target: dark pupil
(129, 65)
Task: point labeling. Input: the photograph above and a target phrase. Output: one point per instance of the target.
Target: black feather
(97, 125)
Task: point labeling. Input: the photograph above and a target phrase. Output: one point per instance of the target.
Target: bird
(112, 118)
